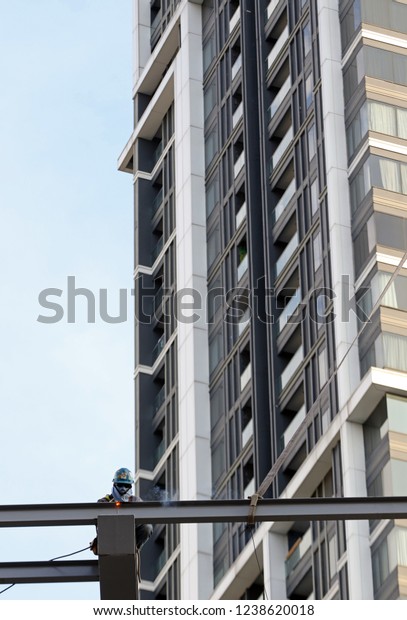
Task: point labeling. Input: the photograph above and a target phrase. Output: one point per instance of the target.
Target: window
(216, 296)
(209, 51)
(218, 530)
(385, 65)
(314, 197)
(395, 296)
(323, 367)
(350, 23)
(389, 14)
(379, 172)
(397, 414)
(213, 248)
(306, 39)
(379, 117)
(317, 251)
(308, 90)
(209, 98)
(399, 477)
(389, 174)
(217, 405)
(212, 195)
(391, 231)
(387, 351)
(312, 145)
(353, 75)
(357, 130)
(395, 351)
(218, 461)
(375, 428)
(332, 546)
(215, 350)
(380, 565)
(387, 119)
(211, 146)
(359, 186)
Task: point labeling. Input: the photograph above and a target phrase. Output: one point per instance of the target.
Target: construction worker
(123, 481)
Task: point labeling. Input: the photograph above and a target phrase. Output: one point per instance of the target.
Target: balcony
(236, 66)
(245, 376)
(279, 98)
(282, 147)
(234, 20)
(242, 268)
(292, 427)
(287, 254)
(241, 215)
(158, 348)
(157, 201)
(289, 309)
(278, 46)
(237, 114)
(291, 367)
(159, 399)
(298, 551)
(284, 200)
(247, 433)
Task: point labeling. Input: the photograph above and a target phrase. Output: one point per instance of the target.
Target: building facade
(269, 161)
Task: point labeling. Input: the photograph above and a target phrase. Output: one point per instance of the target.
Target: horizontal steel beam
(49, 572)
(321, 509)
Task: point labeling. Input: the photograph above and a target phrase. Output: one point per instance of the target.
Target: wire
(69, 554)
(52, 560)
(251, 528)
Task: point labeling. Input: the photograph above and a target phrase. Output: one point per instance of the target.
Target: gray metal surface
(208, 511)
(117, 557)
(49, 572)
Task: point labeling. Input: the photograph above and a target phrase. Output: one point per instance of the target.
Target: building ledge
(150, 121)
(160, 58)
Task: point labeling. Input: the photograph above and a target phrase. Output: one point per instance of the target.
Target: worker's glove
(94, 545)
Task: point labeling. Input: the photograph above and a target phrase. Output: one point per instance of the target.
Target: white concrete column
(192, 340)
(357, 532)
(141, 36)
(339, 212)
(274, 555)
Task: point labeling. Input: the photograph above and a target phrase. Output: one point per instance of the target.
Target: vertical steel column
(117, 557)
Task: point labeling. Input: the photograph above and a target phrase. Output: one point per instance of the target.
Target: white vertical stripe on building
(141, 37)
(338, 196)
(274, 555)
(339, 213)
(357, 532)
(193, 367)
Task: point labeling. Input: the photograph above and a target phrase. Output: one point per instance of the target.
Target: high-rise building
(269, 158)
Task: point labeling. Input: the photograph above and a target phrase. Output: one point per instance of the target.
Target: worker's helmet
(123, 476)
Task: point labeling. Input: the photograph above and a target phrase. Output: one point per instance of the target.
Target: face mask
(123, 489)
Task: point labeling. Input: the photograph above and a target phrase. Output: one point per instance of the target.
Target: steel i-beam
(232, 511)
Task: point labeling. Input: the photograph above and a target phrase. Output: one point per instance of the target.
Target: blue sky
(66, 390)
